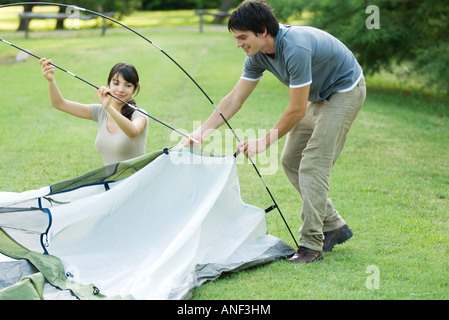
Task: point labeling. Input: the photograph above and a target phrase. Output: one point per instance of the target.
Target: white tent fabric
(160, 232)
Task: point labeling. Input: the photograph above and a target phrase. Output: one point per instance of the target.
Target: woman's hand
(104, 97)
(47, 69)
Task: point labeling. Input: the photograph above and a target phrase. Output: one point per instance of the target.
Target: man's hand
(185, 142)
(252, 146)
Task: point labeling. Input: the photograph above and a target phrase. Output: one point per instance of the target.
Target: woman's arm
(132, 128)
(57, 100)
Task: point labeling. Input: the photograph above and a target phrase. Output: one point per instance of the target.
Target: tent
(154, 227)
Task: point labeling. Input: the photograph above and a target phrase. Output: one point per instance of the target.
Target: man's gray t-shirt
(306, 55)
(116, 147)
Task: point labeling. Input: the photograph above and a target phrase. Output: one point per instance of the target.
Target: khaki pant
(310, 151)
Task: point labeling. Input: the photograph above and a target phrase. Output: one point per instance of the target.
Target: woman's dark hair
(255, 16)
(129, 73)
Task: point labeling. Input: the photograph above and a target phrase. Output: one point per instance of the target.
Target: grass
(391, 182)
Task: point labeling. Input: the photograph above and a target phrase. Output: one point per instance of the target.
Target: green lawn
(391, 182)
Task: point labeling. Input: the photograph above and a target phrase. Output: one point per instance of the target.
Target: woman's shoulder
(139, 113)
(97, 111)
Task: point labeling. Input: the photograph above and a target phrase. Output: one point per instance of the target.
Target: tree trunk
(60, 22)
(22, 25)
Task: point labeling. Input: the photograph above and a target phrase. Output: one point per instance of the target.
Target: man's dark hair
(255, 16)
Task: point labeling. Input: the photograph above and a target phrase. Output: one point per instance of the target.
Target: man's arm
(228, 107)
(291, 116)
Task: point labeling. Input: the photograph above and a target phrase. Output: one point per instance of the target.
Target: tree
(179, 4)
(413, 31)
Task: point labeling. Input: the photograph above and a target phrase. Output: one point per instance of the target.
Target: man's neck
(269, 49)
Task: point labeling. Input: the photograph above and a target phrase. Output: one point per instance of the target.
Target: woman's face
(121, 88)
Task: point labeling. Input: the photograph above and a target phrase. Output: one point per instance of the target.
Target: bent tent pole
(179, 66)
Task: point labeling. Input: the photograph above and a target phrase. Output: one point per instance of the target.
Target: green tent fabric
(50, 270)
(111, 173)
(29, 288)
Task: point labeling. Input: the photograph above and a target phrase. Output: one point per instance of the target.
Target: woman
(122, 131)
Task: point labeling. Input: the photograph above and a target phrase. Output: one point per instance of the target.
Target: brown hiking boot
(306, 255)
(337, 236)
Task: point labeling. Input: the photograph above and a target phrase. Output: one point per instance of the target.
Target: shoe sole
(340, 239)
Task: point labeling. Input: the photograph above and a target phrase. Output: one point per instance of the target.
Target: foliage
(409, 31)
(284, 9)
(179, 4)
(127, 6)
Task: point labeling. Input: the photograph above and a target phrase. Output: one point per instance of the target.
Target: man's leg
(331, 120)
(335, 231)
(295, 144)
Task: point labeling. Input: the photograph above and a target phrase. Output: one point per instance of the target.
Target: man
(326, 91)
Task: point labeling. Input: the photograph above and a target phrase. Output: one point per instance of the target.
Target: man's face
(248, 41)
